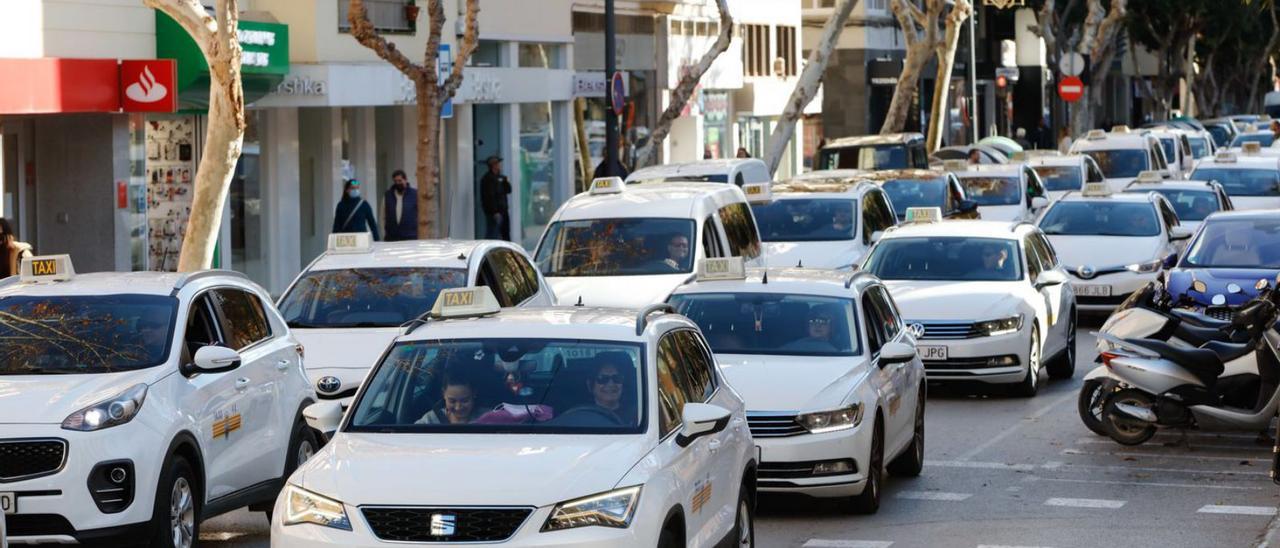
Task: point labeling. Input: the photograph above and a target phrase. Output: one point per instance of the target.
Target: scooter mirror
(1218, 300)
(1262, 284)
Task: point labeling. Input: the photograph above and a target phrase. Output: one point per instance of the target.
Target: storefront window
(246, 206)
(546, 56)
(715, 109)
(537, 171)
(637, 118)
(170, 175)
(488, 53)
(137, 192)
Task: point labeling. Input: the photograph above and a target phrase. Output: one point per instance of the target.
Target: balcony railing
(389, 16)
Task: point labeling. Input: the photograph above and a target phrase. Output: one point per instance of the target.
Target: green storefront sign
(263, 65)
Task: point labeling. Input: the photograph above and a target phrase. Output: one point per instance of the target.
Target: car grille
(1220, 313)
(981, 362)
(32, 525)
(419, 524)
(944, 330)
(26, 459)
(773, 426)
(793, 470)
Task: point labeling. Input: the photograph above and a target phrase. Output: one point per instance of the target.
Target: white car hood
(469, 469)
(616, 291)
(1076, 251)
(1001, 213)
(1117, 184)
(1255, 202)
(49, 399)
(792, 383)
(344, 348)
(836, 254)
(952, 300)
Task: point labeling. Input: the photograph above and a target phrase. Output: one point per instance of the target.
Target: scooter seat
(1198, 336)
(1228, 351)
(1197, 319)
(1205, 364)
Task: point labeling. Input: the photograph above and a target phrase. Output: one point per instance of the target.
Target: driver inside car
(608, 384)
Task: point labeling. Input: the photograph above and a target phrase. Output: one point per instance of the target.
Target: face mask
(354, 193)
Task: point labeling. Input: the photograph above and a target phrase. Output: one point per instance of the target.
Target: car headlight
(112, 411)
(1145, 268)
(303, 506)
(843, 418)
(1002, 326)
(609, 509)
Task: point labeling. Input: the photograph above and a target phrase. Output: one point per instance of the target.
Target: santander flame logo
(146, 89)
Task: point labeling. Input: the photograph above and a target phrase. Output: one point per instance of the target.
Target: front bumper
(1121, 283)
(787, 462)
(1000, 359)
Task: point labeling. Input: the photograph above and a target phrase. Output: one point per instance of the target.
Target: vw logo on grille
(917, 329)
(1086, 271)
(443, 525)
(328, 385)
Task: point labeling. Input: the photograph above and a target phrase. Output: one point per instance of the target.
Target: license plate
(1086, 290)
(932, 353)
(8, 503)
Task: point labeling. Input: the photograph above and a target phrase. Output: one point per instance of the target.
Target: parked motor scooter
(1162, 385)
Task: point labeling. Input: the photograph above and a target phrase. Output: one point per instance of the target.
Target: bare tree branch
(363, 31)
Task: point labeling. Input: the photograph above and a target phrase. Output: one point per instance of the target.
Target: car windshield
(366, 297)
(1168, 145)
(1120, 163)
(806, 220)
(1061, 177)
(617, 247)
(84, 334)
(869, 157)
(1264, 138)
(767, 323)
(1219, 133)
(1236, 243)
(504, 386)
(945, 258)
(906, 193)
(1199, 146)
(993, 191)
(1094, 218)
(1242, 182)
(1190, 205)
(711, 178)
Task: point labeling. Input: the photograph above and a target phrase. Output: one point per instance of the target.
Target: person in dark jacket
(494, 189)
(400, 209)
(354, 214)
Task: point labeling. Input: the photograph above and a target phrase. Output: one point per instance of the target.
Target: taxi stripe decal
(701, 498)
(224, 427)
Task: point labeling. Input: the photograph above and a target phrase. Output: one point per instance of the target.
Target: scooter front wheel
(1093, 396)
(1121, 427)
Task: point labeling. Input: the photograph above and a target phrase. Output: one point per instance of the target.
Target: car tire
(1089, 405)
(868, 501)
(175, 520)
(670, 538)
(1030, 384)
(911, 462)
(744, 528)
(1064, 364)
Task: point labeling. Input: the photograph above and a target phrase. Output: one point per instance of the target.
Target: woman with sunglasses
(11, 250)
(608, 386)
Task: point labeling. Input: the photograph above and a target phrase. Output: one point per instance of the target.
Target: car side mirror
(1171, 261)
(1180, 233)
(967, 206)
(324, 416)
(215, 359)
(1039, 202)
(896, 352)
(701, 419)
(1050, 278)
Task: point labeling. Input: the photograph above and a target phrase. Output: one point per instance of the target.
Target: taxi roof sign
(465, 302)
(1149, 176)
(350, 242)
(758, 193)
(955, 165)
(1251, 148)
(1096, 134)
(48, 268)
(724, 268)
(1120, 129)
(1224, 157)
(606, 185)
(1096, 189)
(924, 214)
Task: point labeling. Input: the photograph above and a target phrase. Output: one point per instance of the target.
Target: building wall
(68, 28)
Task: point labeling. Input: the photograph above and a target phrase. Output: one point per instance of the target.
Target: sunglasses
(819, 321)
(605, 379)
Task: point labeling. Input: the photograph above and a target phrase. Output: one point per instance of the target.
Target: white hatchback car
(739, 171)
(1252, 180)
(1003, 192)
(1063, 173)
(349, 303)
(1122, 154)
(987, 301)
(136, 405)
(833, 385)
(1192, 200)
(823, 219)
(566, 427)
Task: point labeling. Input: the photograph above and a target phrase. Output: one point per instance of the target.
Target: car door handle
(713, 445)
(242, 384)
(282, 365)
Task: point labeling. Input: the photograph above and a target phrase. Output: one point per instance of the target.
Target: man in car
(819, 332)
(994, 257)
(842, 221)
(677, 251)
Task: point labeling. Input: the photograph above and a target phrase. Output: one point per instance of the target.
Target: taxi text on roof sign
(1224, 157)
(1251, 148)
(955, 165)
(1150, 176)
(350, 242)
(607, 185)
(49, 268)
(726, 268)
(757, 192)
(1095, 134)
(924, 214)
(1096, 189)
(465, 302)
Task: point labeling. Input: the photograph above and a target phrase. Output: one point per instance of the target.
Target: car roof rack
(848, 282)
(1013, 227)
(188, 279)
(642, 318)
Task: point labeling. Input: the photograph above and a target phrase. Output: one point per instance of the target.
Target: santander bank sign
(148, 85)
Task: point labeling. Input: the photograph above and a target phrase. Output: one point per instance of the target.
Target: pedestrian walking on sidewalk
(354, 214)
(400, 208)
(494, 190)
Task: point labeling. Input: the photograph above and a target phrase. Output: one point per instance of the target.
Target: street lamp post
(610, 66)
(973, 77)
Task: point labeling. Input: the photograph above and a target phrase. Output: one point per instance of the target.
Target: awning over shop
(264, 64)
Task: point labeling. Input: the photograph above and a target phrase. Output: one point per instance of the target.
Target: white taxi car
(823, 219)
(1122, 154)
(739, 171)
(1063, 173)
(833, 385)
(986, 301)
(908, 188)
(350, 302)
(1252, 180)
(1192, 200)
(1003, 192)
(1113, 244)
(1177, 150)
(133, 406)
(567, 427)
(630, 245)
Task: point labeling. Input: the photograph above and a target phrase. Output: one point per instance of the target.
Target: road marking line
(825, 543)
(1238, 510)
(1157, 455)
(1052, 465)
(1154, 484)
(1010, 431)
(1078, 467)
(986, 465)
(1085, 503)
(1007, 546)
(934, 495)
(1193, 446)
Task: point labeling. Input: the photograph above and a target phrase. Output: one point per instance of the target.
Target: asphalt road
(1005, 472)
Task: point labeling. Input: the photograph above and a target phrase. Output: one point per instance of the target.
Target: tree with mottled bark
(920, 33)
(429, 91)
(218, 39)
(945, 52)
(1093, 32)
(683, 91)
(807, 86)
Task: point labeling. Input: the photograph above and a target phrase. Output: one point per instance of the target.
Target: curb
(1270, 538)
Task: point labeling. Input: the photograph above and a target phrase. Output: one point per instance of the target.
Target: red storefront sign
(52, 85)
(149, 85)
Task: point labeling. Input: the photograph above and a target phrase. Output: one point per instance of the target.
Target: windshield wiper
(295, 324)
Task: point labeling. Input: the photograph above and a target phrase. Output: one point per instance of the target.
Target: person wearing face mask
(11, 250)
(400, 209)
(354, 214)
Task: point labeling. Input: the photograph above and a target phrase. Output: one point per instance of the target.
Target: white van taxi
(823, 219)
(133, 406)
(566, 427)
(986, 301)
(739, 171)
(833, 385)
(1252, 180)
(1113, 244)
(1122, 154)
(630, 245)
(349, 303)
(1003, 192)
(1062, 173)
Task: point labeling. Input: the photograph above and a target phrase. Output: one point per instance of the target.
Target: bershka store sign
(55, 85)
